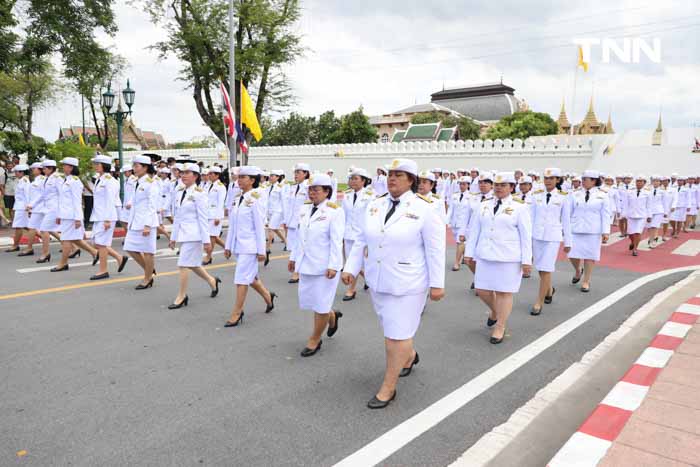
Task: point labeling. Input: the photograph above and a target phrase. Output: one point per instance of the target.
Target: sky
(387, 55)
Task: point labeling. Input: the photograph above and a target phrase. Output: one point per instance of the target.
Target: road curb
(591, 442)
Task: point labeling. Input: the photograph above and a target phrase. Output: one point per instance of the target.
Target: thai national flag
(229, 118)
(240, 137)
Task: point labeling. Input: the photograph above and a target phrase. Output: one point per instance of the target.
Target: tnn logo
(630, 51)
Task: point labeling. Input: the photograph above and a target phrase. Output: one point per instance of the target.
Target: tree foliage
(265, 41)
(467, 128)
(523, 125)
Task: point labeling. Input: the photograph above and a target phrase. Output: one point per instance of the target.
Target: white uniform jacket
(638, 204)
(320, 243)
(298, 195)
(37, 199)
(53, 183)
(246, 230)
(70, 199)
(354, 209)
(681, 198)
(216, 196)
(379, 185)
(405, 255)
(106, 201)
(22, 193)
(275, 199)
(505, 236)
(551, 221)
(191, 223)
(592, 216)
(144, 206)
(459, 212)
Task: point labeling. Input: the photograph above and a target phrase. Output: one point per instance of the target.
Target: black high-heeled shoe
(271, 306)
(207, 263)
(12, 250)
(46, 259)
(292, 281)
(548, 298)
(215, 292)
(307, 352)
(332, 330)
(57, 269)
(95, 259)
(347, 298)
(27, 253)
(267, 258)
(123, 263)
(175, 306)
(490, 322)
(145, 286)
(75, 254)
(407, 371)
(535, 311)
(230, 324)
(498, 340)
(376, 403)
(98, 277)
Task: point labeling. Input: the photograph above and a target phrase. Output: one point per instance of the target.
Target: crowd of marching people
(386, 232)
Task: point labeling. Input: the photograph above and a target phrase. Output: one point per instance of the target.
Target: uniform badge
(190, 198)
(411, 215)
(509, 211)
(373, 211)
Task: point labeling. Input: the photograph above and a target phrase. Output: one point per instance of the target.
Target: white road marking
(654, 358)
(587, 449)
(675, 329)
(688, 248)
(399, 436)
(626, 396)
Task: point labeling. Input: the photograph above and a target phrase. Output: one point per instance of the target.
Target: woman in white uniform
(318, 258)
(298, 195)
(35, 207)
(679, 206)
(70, 214)
(246, 240)
(656, 211)
(551, 224)
(191, 231)
(140, 241)
(500, 241)
(459, 214)
(405, 263)
(216, 200)
(20, 222)
(427, 186)
(275, 210)
(129, 190)
(590, 215)
(49, 228)
(105, 208)
(355, 202)
(379, 182)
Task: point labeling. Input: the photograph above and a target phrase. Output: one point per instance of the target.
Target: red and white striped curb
(587, 447)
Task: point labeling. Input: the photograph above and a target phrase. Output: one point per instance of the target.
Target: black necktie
(461, 195)
(297, 192)
(240, 201)
(638, 191)
(211, 186)
(137, 186)
(549, 195)
(483, 197)
(271, 188)
(182, 198)
(588, 195)
(394, 203)
(313, 210)
(654, 191)
(354, 198)
(97, 183)
(524, 195)
(498, 205)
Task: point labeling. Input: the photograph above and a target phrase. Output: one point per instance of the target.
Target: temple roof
(563, 121)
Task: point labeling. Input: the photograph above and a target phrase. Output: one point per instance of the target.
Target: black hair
(53, 168)
(414, 182)
(150, 170)
(197, 177)
(329, 191)
(281, 178)
(366, 181)
(512, 188)
(256, 180)
(107, 168)
(307, 174)
(597, 181)
(560, 180)
(24, 172)
(74, 170)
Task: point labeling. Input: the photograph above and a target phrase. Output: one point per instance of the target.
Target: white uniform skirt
(136, 242)
(124, 214)
(291, 239)
(498, 276)
(347, 247)
(215, 230)
(275, 221)
(455, 233)
(317, 293)
(191, 254)
(35, 220)
(585, 246)
(69, 232)
(21, 220)
(693, 211)
(678, 215)
(48, 224)
(246, 269)
(635, 225)
(656, 221)
(399, 315)
(102, 236)
(545, 254)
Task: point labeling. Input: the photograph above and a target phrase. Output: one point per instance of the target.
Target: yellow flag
(80, 139)
(581, 63)
(248, 116)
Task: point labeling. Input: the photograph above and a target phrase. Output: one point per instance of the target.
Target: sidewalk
(652, 416)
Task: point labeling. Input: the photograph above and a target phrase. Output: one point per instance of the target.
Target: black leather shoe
(332, 330)
(145, 286)
(495, 340)
(75, 254)
(407, 371)
(634, 253)
(175, 306)
(95, 259)
(575, 280)
(535, 311)
(267, 258)
(548, 298)
(366, 287)
(375, 403)
(471, 287)
(292, 281)
(57, 269)
(215, 292)
(12, 250)
(585, 289)
(123, 263)
(490, 322)
(206, 263)
(233, 324)
(44, 260)
(307, 352)
(271, 306)
(27, 253)
(347, 298)
(98, 277)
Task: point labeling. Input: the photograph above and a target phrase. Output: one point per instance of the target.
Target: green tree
(292, 130)
(467, 128)
(523, 125)
(15, 143)
(328, 131)
(265, 43)
(68, 148)
(355, 128)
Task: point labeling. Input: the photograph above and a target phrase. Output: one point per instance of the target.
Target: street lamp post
(120, 116)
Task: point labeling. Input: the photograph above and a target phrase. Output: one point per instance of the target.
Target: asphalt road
(106, 375)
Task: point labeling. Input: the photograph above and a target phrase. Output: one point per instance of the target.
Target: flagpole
(232, 81)
(573, 103)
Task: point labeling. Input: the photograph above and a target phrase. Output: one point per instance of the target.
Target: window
(385, 138)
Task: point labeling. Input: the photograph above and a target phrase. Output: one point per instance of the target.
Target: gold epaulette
(436, 196)
(562, 192)
(518, 200)
(149, 179)
(108, 176)
(332, 205)
(424, 198)
(349, 191)
(255, 194)
(75, 178)
(199, 189)
(539, 191)
(218, 182)
(307, 202)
